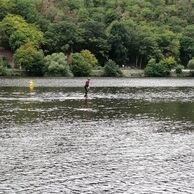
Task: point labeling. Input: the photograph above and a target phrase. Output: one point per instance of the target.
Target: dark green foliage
(119, 40)
(2, 68)
(179, 69)
(6, 6)
(187, 44)
(62, 37)
(169, 62)
(89, 57)
(34, 65)
(30, 59)
(154, 69)
(191, 64)
(5, 68)
(26, 9)
(191, 67)
(111, 16)
(79, 66)
(111, 69)
(15, 32)
(95, 39)
(73, 4)
(129, 32)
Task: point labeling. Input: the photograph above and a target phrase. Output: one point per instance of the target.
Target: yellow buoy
(31, 86)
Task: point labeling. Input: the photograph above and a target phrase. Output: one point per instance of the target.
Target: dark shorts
(86, 88)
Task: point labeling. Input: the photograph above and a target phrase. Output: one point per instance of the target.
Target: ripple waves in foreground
(119, 140)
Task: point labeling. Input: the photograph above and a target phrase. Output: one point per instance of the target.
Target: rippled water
(129, 136)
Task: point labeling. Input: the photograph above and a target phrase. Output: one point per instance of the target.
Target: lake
(128, 136)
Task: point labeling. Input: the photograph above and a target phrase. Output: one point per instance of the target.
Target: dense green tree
(191, 64)
(62, 37)
(119, 40)
(6, 6)
(168, 43)
(169, 62)
(129, 32)
(73, 4)
(111, 16)
(26, 9)
(147, 49)
(154, 69)
(89, 57)
(187, 44)
(111, 69)
(14, 32)
(95, 40)
(56, 65)
(28, 58)
(146, 46)
(79, 66)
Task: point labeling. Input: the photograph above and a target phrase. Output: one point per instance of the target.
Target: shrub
(80, 67)
(2, 68)
(191, 67)
(5, 68)
(111, 69)
(179, 69)
(30, 59)
(192, 73)
(15, 32)
(169, 62)
(154, 69)
(89, 57)
(56, 65)
(191, 64)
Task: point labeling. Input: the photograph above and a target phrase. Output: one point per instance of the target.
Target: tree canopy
(15, 31)
(129, 32)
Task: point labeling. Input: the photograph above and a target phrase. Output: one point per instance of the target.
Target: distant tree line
(72, 37)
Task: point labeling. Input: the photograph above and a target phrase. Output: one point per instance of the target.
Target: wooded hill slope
(130, 32)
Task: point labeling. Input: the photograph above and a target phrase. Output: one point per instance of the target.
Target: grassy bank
(132, 72)
(140, 73)
(125, 72)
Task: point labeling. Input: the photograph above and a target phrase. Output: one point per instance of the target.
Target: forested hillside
(129, 32)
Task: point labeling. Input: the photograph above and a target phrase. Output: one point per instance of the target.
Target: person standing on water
(86, 87)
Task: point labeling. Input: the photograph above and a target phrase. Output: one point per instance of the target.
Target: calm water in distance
(130, 136)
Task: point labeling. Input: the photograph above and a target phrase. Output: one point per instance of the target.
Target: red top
(87, 83)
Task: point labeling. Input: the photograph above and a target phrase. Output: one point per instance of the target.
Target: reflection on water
(119, 140)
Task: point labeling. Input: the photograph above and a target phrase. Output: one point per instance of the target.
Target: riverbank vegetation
(78, 37)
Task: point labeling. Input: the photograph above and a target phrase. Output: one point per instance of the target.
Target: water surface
(129, 136)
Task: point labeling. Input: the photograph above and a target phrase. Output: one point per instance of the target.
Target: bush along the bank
(5, 68)
(2, 68)
(161, 69)
(169, 62)
(179, 70)
(80, 67)
(191, 67)
(56, 65)
(30, 59)
(191, 64)
(89, 57)
(111, 69)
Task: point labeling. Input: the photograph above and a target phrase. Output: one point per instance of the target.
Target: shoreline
(127, 73)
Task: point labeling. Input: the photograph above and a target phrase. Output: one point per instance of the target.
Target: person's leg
(86, 91)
